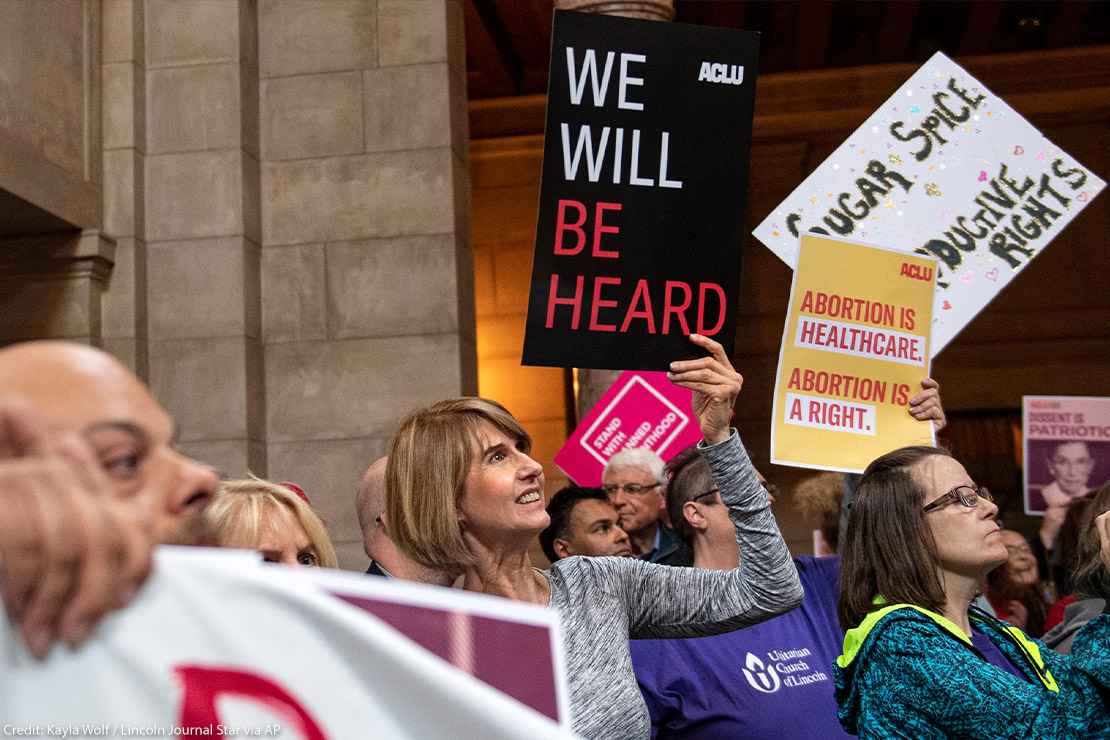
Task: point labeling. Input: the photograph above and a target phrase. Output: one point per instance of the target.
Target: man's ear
(559, 545)
(693, 516)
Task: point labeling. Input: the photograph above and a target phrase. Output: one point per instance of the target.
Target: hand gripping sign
(944, 168)
(641, 409)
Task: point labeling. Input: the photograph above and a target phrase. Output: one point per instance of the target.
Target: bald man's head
(370, 502)
(82, 390)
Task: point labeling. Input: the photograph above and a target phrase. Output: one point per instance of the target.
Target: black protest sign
(644, 189)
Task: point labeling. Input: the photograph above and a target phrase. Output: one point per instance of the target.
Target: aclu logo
(762, 678)
(725, 74)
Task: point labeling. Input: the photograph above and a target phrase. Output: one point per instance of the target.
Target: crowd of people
(924, 625)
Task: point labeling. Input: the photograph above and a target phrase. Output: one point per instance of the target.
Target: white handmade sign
(943, 168)
(217, 645)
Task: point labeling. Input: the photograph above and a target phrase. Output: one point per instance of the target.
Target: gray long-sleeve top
(604, 601)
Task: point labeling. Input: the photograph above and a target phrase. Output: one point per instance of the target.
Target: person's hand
(1102, 524)
(1050, 526)
(715, 385)
(926, 406)
(1019, 615)
(69, 551)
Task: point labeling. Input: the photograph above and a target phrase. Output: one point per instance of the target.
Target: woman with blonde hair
(464, 496)
(255, 514)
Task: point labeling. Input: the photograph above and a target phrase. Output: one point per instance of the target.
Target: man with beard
(102, 434)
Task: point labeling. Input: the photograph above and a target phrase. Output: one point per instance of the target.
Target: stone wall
(285, 246)
(367, 280)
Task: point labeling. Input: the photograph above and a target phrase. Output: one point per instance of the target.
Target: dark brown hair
(690, 476)
(888, 549)
(1091, 579)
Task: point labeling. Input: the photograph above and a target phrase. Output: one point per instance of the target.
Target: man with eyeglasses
(634, 480)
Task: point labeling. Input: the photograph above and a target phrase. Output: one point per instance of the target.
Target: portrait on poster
(1067, 450)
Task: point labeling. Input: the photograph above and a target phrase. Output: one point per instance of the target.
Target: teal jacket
(907, 672)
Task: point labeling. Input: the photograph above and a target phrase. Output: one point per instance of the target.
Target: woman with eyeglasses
(919, 663)
(464, 496)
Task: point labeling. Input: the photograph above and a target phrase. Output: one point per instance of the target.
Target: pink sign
(641, 409)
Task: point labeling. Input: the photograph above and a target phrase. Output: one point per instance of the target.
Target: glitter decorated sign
(947, 169)
(854, 349)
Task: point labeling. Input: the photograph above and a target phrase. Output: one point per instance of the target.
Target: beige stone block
(392, 287)
(118, 109)
(183, 32)
(352, 556)
(512, 274)
(193, 108)
(407, 107)
(121, 35)
(500, 336)
(249, 108)
(193, 195)
(355, 388)
(528, 392)
(412, 31)
(123, 179)
(202, 383)
(358, 197)
(203, 288)
(312, 116)
(230, 458)
(45, 308)
(252, 197)
(461, 202)
(127, 350)
(329, 472)
(123, 304)
(294, 293)
(308, 36)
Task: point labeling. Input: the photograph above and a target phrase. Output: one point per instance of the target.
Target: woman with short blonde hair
(463, 496)
(256, 514)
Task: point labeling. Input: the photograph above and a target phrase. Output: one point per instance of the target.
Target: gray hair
(638, 457)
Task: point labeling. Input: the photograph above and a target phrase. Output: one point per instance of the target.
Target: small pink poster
(641, 409)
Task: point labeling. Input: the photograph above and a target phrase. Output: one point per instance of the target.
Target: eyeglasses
(965, 495)
(635, 489)
(710, 492)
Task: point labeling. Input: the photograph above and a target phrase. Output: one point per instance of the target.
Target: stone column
(123, 123)
(202, 226)
(53, 258)
(592, 384)
(52, 285)
(367, 277)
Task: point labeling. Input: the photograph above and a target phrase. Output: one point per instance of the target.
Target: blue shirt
(771, 680)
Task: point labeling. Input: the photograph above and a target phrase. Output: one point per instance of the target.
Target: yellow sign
(855, 349)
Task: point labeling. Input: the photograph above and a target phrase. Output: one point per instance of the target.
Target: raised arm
(681, 602)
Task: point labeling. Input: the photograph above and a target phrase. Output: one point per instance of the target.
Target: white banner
(218, 645)
(947, 169)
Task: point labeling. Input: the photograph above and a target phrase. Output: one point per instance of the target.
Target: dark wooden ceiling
(508, 41)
